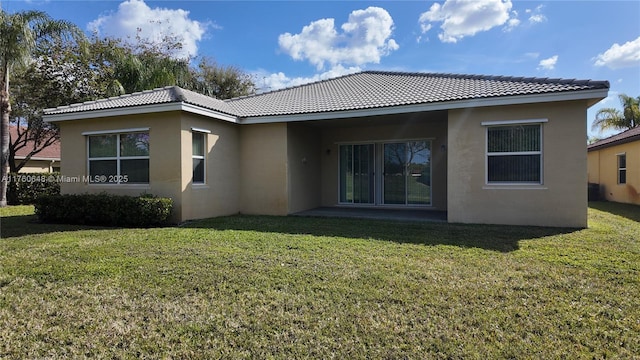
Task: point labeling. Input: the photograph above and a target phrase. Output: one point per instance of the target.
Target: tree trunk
(5, 110)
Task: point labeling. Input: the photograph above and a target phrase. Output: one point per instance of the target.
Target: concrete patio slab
(377, 213)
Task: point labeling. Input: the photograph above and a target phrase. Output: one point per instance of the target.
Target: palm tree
(19, 34)
(612, 118)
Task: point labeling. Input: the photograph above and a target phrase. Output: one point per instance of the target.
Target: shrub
(25, 188)
(104, 209)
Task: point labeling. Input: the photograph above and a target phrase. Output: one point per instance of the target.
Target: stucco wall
(164, 159)
(303, 154)
(603, 170)
(431, 126)
(263, 169)
(38, 166)
(562, 198)
(220, 193)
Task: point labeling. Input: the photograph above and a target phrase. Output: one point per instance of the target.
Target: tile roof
(377, 89)
(166, 95)
(50, 152)
(364, 90)
(621, 138)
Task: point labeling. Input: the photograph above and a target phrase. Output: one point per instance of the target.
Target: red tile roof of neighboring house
(622, 138)
(50, 152)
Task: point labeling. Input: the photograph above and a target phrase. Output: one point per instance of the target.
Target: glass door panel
(357, 174)
(394, 181)
(407, 173)
(419, 173)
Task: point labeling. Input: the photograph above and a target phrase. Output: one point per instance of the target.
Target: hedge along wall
(25, 188)
(104, 209)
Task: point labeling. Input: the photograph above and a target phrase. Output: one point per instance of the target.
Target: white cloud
(274, 81)
(364, 38)
(548, 64)
(535, 15)
(512, 24)
(620, 56)
(461, 18)
(134, 18)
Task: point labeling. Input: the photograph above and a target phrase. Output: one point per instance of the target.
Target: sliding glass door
(405, 178)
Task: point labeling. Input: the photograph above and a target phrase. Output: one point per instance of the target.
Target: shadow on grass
(629, 211)
(489, 237)
(21, 225)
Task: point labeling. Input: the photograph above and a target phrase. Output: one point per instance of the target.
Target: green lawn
(289, 287)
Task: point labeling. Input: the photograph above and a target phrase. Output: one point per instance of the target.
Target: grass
(282, 287)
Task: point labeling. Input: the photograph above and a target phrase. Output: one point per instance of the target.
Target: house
(485, 149)
(614, 164)
(45, 161)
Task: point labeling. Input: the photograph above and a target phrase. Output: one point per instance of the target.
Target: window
(198, 145)
(622, 168)
(119, 158)
(514, 153)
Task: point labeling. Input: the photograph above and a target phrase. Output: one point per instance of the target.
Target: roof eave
(596, 146)
(37, 158)
(592, 96)
(136, 110)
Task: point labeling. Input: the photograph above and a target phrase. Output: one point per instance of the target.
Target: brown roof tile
(621, 138)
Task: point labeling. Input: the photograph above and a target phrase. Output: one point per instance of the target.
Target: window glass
(103, 146)
(198, 170)
(105, 168)
(198, 143)
(622, 161)
(136, 144)
(135, 170)
(518, 138)
(514, 168)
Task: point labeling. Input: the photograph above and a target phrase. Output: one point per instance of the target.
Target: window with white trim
(198, 142)
(514, 154)
(622, 168)
(120, 158)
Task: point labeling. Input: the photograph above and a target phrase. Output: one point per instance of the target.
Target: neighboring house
(500, 150)
(47, 160)
(614, 164)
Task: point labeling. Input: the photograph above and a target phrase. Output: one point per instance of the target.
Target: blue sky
(286, 43)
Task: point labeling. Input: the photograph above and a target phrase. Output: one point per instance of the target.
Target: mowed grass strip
(291, 287)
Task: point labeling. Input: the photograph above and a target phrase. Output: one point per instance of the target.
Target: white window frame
(203, 157)
(618, 156)
(489, 124)
(117, 158)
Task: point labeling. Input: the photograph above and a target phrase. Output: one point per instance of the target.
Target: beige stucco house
(614, 164)
(485, 149)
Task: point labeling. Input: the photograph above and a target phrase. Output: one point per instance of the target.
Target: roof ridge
(526, 79)
(294, 87)
(123, 96)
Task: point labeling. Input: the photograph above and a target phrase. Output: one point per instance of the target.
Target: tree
(222, 82)
(19, 33)
(612, 118)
